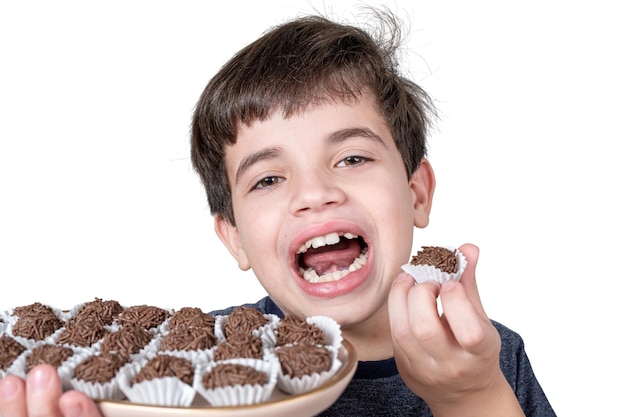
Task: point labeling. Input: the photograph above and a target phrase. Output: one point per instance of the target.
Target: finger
(397, 306)
(409, 303)
(12, 397)
(76, 403)
(466, 323)
(468, 279)
(415, 324)
(427, 327)
(43, 389)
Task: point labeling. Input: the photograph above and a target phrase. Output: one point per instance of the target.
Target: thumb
(468, 279)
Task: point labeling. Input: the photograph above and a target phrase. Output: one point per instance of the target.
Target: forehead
(313, 120)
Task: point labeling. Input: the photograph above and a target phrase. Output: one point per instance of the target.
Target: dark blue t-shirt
(378, 390)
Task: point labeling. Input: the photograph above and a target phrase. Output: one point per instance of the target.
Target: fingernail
(73, 410)
(38, 379)
(8, 388)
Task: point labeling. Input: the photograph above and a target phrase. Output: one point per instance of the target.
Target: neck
(371, 340)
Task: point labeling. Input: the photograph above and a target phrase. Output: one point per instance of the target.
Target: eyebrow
(335, 137)
(352, 132)
(250, 160)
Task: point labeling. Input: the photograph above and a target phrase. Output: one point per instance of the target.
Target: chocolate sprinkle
(32, 309)
(106, 311)
(162, 366)
(191, 317)
(228, 374)
(436, 256)
(300, 360)
(144, 316)
(127, 340)
(100, 368)
(243, 346)
(293, 329)
(82, 331)
(10, 349)
(37, 324)
(188, 338)
(51, 354)
(243, 320)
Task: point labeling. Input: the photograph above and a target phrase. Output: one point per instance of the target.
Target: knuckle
(424, 331)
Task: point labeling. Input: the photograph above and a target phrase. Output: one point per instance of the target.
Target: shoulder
(518, 370)
(512, 352)
(509, 337)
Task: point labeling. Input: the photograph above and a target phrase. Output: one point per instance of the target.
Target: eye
(267, 182)
(352, 160)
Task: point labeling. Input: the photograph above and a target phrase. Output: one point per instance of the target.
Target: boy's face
(329, 176)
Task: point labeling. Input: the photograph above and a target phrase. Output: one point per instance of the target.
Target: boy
(312, 150)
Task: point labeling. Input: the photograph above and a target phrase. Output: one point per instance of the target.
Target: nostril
(314, 197)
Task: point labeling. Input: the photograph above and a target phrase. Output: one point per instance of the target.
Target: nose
(313, 192)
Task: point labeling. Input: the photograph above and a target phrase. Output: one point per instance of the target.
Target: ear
(422, 184)
(229, 235)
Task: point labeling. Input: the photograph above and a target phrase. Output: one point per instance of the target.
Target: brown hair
(304, 62)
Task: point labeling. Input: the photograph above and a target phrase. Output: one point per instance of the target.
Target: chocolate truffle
(10, 349)
(143, 315)
(300, 360)
(437, 256)
(106, 311)
(99, 368)
(82, 331)
(228, 374)
(162, 366)
(191, 317)
(243, 320)
(243, 346)
(127, 340)
(51, 354)
(188, 338)
(293, 329)
(36, 321)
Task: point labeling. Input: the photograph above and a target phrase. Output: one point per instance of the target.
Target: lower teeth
(311, 276)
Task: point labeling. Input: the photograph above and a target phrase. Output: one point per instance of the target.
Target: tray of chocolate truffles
(147, 360)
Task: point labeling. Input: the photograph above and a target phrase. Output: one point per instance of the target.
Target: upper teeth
(319, 241)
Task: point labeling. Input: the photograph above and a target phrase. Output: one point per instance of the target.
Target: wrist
(497, 400)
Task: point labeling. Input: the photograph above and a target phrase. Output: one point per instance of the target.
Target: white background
(98, 197)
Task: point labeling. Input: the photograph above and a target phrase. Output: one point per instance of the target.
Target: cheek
(393, 203)
(397, 218)
(261, 228)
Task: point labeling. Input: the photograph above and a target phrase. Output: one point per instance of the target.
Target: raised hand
(451, 360)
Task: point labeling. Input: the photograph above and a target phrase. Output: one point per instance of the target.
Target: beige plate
(280, 404)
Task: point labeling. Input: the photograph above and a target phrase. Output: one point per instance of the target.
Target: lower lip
(332, 289)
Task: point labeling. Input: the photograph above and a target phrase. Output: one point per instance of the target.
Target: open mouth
(331, 257)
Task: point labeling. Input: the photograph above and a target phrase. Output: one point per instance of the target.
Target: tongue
(331, 258)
